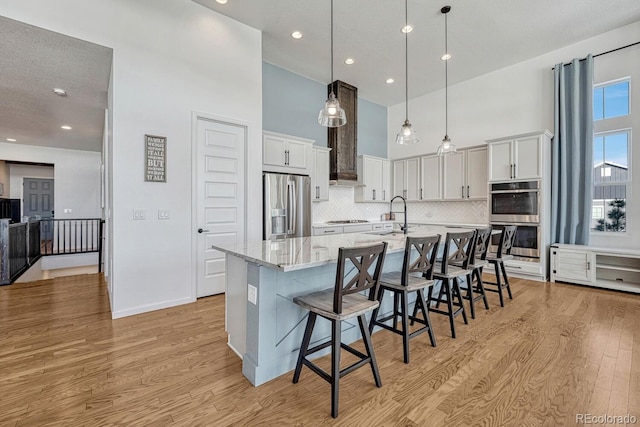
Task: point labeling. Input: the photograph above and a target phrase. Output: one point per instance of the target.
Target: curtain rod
(604, 53)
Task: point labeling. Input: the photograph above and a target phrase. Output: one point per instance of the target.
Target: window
(611, 100)
(611, 179)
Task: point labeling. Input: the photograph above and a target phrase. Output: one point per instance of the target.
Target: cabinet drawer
(377, 227)
(319, 231)
(360, 228)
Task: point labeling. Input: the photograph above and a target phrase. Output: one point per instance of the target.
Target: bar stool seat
(321, 303)
(393, 280)
(452, 272)
(343, 302)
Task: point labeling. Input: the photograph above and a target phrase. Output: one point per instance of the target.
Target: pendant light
(332, 115)
(446, 147)
(406, 135)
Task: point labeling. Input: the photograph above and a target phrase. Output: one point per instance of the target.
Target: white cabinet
(406, 178)
(374, 174)
(320, 175)
(286, 154)
(431, 177)
(518, 157)
(319, 231)
(572, 265)
(465, 174)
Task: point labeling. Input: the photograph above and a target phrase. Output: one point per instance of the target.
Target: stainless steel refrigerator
(287, 206)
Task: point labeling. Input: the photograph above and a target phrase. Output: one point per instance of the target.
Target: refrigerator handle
(292, 214)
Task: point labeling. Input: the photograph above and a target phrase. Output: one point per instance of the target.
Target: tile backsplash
(341, 206)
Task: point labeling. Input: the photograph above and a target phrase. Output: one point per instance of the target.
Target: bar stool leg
(499, 283)
(425, 313)
(506, 279)
(405, 326)
(481, 287)
(311, 321)
(368, 345)
(374, 315)
(447, 291)
(456, 293)
(396, 302)
(470, 294)
(336, 339)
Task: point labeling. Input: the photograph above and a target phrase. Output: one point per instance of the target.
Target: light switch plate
(252, 294)
(139, 214)
(163, 214)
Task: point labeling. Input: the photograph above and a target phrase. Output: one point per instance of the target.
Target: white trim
(195, 116)
(150, 307)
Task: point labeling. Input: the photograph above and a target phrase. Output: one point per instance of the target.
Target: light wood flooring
(554, 351)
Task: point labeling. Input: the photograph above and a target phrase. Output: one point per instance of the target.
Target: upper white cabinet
(320, 175)
(431, 177)
(406, 178)
(286, 154)
(517, 158)
(465, 174)
(374, 174)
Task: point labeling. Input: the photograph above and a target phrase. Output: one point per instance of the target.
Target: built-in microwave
(526, 243)
(515, 202)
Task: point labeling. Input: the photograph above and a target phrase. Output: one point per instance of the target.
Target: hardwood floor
(554, 351)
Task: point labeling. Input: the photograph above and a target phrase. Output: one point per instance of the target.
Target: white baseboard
(150, 307)
(54, 262)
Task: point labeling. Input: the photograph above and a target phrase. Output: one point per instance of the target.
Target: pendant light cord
(331, 46)
(446, 78)
(406, 61)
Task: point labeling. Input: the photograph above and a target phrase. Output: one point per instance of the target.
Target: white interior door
(220, 190)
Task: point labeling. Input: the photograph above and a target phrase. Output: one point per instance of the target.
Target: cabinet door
(413, 179)
(399, 177)
(386, 180)
(273, 150)
(477, 173)
(500, 161)
(430, 172)
(372, 178)
(527, 158)
(297, 154)
(571, 264)
(320, 190)
(455, 187)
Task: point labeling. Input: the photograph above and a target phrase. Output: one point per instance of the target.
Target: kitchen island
(265, 327)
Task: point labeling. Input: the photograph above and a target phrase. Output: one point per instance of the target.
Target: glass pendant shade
(446, 147)
(406, 135)
(332, 115)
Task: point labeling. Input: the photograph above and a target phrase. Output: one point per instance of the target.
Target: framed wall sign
(155, 158)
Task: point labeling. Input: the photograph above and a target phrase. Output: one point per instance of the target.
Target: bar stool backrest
(483, 236)
(506, 240)
(362, 258)
(458, 248)
(427, 249)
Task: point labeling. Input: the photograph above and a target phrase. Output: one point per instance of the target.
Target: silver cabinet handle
(374, 194)
(384, 194)
(329, 231)
(463, 191)
(468, 192)
(588, 265)
(404, 193)
(515, 173)
(317, 191)
(421, 194)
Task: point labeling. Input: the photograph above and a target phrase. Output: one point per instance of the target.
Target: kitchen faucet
(404, 228)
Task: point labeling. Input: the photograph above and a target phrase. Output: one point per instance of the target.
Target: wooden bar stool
(497, 259)
(455, 263)
(416, 275)
(478, 261)
(344, 302)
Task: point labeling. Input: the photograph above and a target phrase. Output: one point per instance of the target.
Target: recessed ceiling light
(59, 92)
(11, 140)
(296, 35)
(222, 1)
(445, 57)
(348, 61)
(65, 127)
(407, 28)
(389, 81)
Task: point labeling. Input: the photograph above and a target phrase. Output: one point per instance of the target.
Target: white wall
(4, 179)
(76, 176)
(171, 57)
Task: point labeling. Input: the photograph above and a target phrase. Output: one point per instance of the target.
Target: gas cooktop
(347, 221)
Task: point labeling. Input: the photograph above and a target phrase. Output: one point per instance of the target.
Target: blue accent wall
(291, 103)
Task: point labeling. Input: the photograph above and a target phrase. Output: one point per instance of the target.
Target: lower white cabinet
(352, 228)
(617, 269)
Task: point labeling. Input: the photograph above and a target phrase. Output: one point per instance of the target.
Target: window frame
(611, 83)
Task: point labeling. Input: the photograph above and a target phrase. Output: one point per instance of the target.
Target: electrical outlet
(68, 210)
(139, 214)
(252, 294)
(163, 214)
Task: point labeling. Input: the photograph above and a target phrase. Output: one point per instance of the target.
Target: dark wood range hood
(343, 141)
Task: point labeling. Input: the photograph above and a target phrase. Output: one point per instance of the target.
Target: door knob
(200, 230)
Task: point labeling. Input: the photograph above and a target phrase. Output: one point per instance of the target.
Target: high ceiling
(483, 36)
(34, 62)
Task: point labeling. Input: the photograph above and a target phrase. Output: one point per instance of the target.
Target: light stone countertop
(299, 253)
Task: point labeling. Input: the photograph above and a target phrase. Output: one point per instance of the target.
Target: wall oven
(515, 202)
(526, 243)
